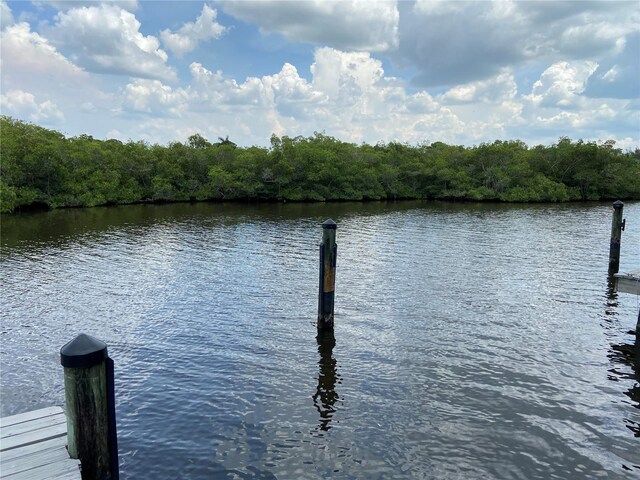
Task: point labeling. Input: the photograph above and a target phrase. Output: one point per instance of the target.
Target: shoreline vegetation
(41, 168)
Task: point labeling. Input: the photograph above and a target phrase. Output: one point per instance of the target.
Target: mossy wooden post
(89, 397)
(617, 226)
(328, 253)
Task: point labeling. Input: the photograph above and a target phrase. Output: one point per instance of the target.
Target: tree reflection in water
(625, 358)
(326, 396)
(628, 354)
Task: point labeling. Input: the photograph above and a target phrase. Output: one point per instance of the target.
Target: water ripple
(472, 341)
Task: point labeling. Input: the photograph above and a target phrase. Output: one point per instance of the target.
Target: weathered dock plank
(628, 282)
(33, 436)
(33, 449)
(28, 416)
(36, 424)
(51, 458)
(33, 446)
(48, 471)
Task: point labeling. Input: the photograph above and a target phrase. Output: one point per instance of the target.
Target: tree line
(40, 167)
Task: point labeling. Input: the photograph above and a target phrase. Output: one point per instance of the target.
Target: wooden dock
(628, 282)
(33, 446)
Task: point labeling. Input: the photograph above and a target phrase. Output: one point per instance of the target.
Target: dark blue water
(471, 341)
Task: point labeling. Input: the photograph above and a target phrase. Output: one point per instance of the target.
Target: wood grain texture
(33, 447)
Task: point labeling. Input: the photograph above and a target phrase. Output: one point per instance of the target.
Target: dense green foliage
(41, 167)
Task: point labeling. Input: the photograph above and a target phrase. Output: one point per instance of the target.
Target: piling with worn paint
(328, 253)
(617, 226)
(90, 405)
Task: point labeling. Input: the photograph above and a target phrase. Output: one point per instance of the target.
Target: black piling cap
(83, 351)
(618, 204)
(330, 224)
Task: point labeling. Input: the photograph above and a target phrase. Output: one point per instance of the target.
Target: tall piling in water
(90, 402)
(328, 253)
(617, 226)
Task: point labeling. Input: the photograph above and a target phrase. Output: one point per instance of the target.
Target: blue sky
(361, 71)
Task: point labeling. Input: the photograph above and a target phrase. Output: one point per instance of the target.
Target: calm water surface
(472, 341)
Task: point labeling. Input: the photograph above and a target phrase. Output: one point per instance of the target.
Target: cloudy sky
(361, 71)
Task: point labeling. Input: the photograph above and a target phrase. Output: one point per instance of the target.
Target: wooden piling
(617, 226)
(328, 254)
(90, 403)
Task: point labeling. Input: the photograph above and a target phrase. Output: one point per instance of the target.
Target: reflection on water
(611, 309)
(498, 349)
(326, 395)
(625, 358)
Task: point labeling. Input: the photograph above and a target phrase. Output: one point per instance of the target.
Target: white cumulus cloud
(291, 94)
(212, 90)
(107, 39)
(29, 59)
(191, 34)
(347, 25)
(6, 17)
(496, 89)
(561, 84)
(345, 74)
(508, 69)
(349, 96)
(152, 96)
(456, 42)
(24, 105)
